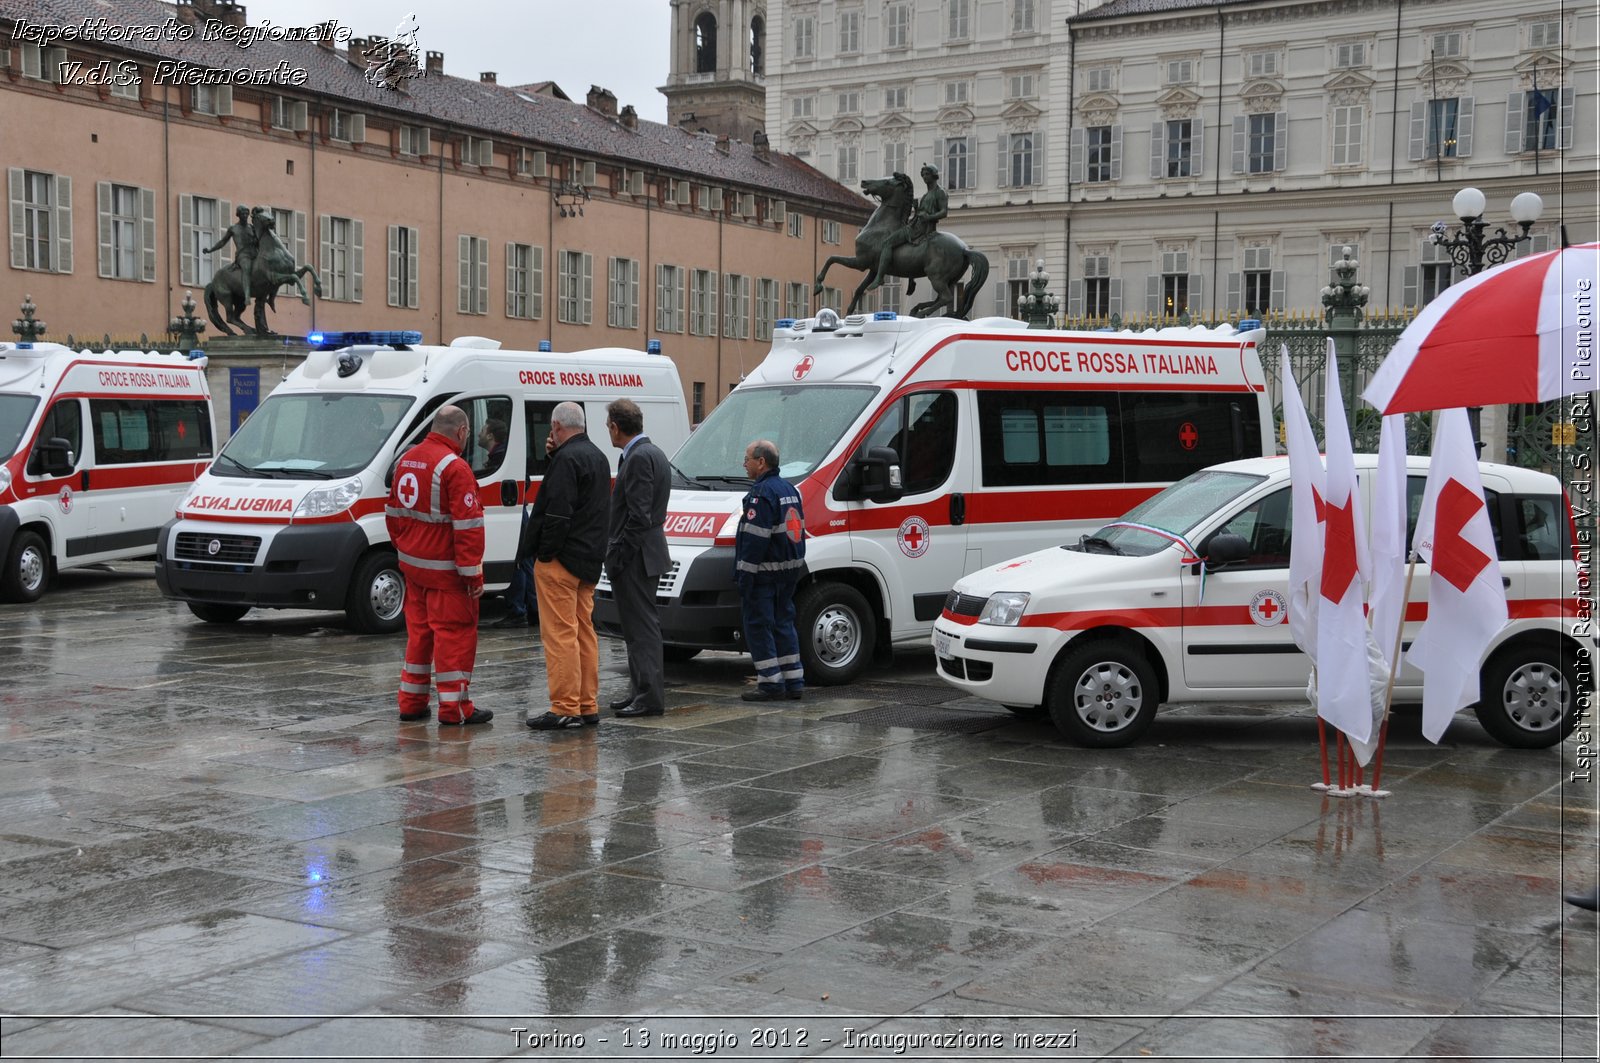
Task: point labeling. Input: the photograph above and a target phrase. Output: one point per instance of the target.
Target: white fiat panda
(1101, 631)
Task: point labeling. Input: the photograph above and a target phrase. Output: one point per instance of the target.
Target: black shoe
(413, 717)
(478, 716)
(552, 722)
(632, 711)
(795, 693)
(511, 620)
(590, 719)
(621, 703)
(1587, 901)
(762, 694)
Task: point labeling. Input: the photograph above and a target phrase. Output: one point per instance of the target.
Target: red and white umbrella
(1520, 332)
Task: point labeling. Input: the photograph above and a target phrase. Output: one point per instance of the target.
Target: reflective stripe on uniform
(794, 673)
(425, 562)
(451, 695)
(471, 522)
(413, 688)
(793, 658)
(759, 533)
(465, 570)
(771, 566)
(452, 677)
(424, 668)
(762, 666)
(438, 477)
(415, 514)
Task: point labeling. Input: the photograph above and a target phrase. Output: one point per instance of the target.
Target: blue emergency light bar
(652, 347)
(885, 315)
(784, 322)
(1249, 324)
(324, 340)
(544, 347)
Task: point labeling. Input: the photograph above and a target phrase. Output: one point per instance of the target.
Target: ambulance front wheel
(837, 630)
(27, 569)
(216, 612)
(377, 604)
(1529, 695)
(1103, 695)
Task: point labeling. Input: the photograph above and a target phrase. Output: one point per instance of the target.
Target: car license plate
(941, 644)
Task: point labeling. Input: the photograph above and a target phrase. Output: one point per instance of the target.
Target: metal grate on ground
(900, 693)
(924, 717)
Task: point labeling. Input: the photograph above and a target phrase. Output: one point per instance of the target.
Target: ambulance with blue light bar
(927, 449)
(290, 514)
(96, 450)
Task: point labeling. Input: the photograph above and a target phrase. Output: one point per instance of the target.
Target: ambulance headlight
(326, 501)
(1004, 609)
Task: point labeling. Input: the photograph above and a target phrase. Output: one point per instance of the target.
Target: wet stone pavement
(218, 842)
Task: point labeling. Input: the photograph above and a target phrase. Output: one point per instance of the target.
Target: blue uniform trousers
(768, 610)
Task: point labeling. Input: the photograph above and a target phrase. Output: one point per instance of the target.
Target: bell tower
(719, 65)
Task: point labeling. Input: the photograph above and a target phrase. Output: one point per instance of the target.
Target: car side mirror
(508, 492)
(880, 475)
(1225, 548)
(56, 457)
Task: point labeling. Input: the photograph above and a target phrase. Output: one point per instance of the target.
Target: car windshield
(1179, 510)
(15, 413)
(312, 437)
(804, 420)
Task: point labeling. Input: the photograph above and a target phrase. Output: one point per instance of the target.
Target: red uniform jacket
(435, 518)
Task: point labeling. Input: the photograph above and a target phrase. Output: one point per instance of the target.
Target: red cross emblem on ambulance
(1188, 436)
(1268, 608)
(913, 537)
(803, 366)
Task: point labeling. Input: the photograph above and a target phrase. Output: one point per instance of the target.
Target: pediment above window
(846, 125)
(890, 123)
(1020, 109)
(950, 115)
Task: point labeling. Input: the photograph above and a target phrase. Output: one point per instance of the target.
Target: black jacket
(568, 522)
(639, 511)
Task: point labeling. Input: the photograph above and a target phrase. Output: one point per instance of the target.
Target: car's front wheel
(1103, 695)
(377, 600)
(837, 631)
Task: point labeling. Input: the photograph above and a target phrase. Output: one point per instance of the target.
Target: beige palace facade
(441, 204)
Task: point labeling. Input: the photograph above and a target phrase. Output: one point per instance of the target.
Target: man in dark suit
(636, 555)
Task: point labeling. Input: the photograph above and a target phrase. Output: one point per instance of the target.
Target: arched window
(705, 44)
(758, 45)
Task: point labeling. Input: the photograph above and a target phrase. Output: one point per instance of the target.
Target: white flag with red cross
(1344, 692)
(1306, 484)
(1466, 600)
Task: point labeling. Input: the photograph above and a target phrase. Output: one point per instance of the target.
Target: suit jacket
(639, 511)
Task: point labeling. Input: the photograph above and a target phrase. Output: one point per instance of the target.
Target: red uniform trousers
(441, 644)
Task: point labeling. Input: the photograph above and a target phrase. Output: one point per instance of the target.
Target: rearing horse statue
(274, 266)
(942, 258)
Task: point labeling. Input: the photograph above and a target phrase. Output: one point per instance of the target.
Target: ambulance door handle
(85, 486)
(958, 509)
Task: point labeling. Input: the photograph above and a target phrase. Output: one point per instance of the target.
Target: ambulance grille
(231, 549)
(668, 587)
(964, 604)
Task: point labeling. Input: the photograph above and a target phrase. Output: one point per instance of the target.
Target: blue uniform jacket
(771, 546)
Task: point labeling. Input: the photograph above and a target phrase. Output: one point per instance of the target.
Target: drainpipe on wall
(1394, 130)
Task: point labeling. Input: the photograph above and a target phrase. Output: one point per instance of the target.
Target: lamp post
(1344, 299)
(1472, 251)
(1039, 307)
(186, 326)
(27, 329)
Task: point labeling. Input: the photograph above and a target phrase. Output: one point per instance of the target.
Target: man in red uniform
(436, 523)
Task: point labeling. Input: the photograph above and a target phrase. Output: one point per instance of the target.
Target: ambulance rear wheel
(377, 604)
(1103, 695)
(216, 612)
(836, 630)
(27, 569)
(679, 654)
(1529, 696)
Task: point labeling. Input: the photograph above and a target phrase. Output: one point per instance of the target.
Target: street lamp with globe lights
(1472, 251)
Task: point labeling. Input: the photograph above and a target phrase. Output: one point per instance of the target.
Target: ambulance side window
(489, 417)
(536, 416)
(1171, 436)
(1266, 526)
(922, 430)
(64, 421)
(1036, 438)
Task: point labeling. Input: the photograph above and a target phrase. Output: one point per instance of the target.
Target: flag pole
(1394, 671)
(1322, 741)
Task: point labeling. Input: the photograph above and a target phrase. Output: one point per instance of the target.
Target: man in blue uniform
(769, 559)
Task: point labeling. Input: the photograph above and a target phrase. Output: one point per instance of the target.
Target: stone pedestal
(238, 367)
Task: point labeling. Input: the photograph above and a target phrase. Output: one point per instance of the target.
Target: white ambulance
(96, 450)
(290, 515)
(1100, 632)
(927, 449)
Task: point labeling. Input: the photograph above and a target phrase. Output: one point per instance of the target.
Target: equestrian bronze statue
(901, 240)
(257, 248)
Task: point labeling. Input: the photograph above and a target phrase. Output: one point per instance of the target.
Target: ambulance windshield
(804, 420)
(15, 413)
(312, 437)
(1178, 510)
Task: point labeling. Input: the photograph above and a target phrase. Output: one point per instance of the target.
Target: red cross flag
(1306, 485)
(1466, 600)
(1344, 691)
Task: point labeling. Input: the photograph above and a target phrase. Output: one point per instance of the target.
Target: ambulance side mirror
(1225, 548)
(56, 457)
(880, 475)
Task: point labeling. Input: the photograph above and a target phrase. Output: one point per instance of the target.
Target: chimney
(326, 34)
(603, 101)
(436, 62)
(187, 13)
(357, 45)
(758, 141)
(722, 144)
(230, 12)
(630, 117)
(488, 77)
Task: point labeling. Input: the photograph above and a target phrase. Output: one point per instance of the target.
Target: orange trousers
(566, 627)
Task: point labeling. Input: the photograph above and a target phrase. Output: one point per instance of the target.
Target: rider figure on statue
(934, 205)
(245, 242)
